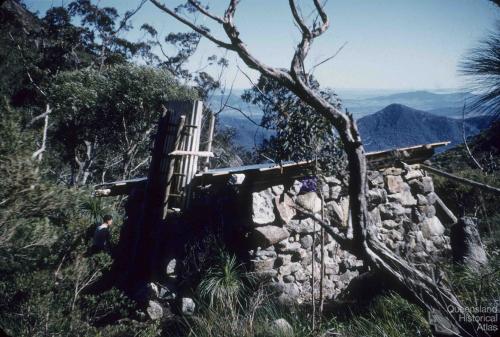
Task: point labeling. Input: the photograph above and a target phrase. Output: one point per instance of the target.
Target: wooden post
(188, 151)
(322, 270)
(491, 189)
(211, 127)
(143, 257)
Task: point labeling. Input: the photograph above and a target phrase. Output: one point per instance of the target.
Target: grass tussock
(231, 303)
(388, 316)
(477, 288)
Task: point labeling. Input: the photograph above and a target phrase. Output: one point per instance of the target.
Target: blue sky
(391, 44)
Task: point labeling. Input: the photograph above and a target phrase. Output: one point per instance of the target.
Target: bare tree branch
(298, 19)
(193, 26)
(38, 154)
(129, 15)
(37, 87)
(123, 24)
(255, 85)
(37, 118)
(244, 115)
(328, 58)
(205, 12)
(464, 138)
(322, 14)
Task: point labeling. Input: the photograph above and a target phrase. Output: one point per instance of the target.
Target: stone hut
(256, 208)
(283, 246)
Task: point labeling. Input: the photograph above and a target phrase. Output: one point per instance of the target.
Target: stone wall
(284, 247)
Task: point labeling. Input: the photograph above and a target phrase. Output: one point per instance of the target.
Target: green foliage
(300, 133)
(482, 65)
(94, 209)
(251, 318)
(476, 288)
(104, 23)
(27, 203)
(106, 118)
(388, 316)
(45, 270)
(224, 312)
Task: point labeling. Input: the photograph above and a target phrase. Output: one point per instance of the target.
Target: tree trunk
(407, 280)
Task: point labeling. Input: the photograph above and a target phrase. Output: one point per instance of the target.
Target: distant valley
(385, 121)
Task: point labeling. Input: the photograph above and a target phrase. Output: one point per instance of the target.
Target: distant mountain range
(398, 125)
(403, 119)
(443, 104)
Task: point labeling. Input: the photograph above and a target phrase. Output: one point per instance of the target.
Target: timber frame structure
(262, 172)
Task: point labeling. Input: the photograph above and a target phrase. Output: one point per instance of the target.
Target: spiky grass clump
(94, 209)
(479, 288)
(388, 316)
(223, 284)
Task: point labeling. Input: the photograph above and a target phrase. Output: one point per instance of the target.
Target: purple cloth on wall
(309, 185)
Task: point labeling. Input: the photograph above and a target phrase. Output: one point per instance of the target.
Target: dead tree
(38, 154)
(464, 138)
(400, 275)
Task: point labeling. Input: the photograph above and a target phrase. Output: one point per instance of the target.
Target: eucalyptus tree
(398, 273)
(103, 120)
(298, 132)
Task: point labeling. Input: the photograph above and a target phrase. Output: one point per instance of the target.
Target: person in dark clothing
(102, 237)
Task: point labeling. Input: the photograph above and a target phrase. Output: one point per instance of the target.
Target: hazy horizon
(391, 45)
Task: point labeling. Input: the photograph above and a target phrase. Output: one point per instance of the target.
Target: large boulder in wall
(285, 208)
(466, 245)
(432, 227)
(263, 207)
(266, 236)
(310, 201)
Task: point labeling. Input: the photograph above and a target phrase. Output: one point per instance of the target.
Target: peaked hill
(398, 125)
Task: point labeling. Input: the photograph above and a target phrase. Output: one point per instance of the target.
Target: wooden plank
(185, 161)
(412, 154)
(188, 151)
(178, 141)
(191, 153)
(183, 108)
(211, 128)
(195, 147)
(413, 147)
(442, 207)
(465, 181)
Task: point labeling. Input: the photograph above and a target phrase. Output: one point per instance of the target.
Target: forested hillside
(399, 126)
(76, 111)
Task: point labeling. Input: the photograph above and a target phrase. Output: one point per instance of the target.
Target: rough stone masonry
(283, 243)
